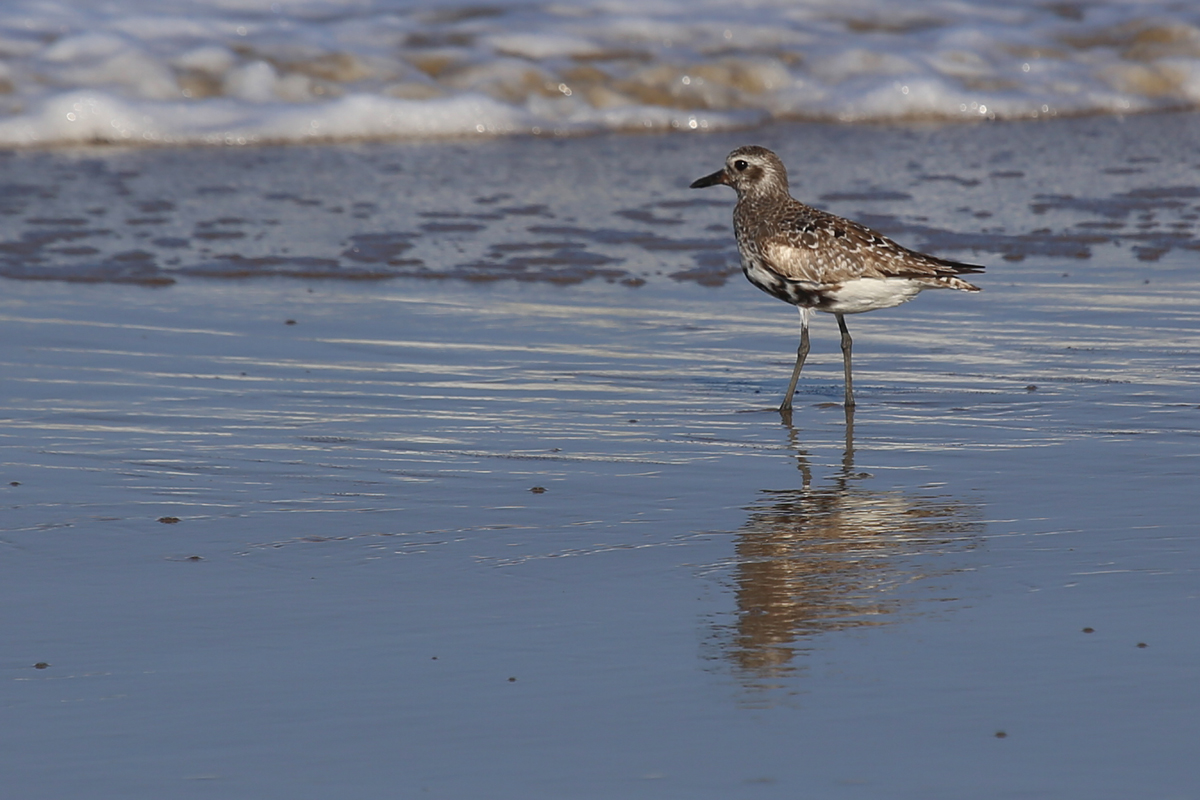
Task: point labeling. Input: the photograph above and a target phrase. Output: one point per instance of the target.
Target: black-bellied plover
(813, 259)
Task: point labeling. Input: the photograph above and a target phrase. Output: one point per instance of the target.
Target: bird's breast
(774, 284)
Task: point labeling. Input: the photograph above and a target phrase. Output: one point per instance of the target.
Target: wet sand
(522, 530)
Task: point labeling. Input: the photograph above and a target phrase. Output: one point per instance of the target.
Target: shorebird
(815, 260)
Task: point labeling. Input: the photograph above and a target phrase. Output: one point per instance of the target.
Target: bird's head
(750, 170)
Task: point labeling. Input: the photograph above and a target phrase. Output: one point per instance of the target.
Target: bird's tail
(951, 282)
(948, 272)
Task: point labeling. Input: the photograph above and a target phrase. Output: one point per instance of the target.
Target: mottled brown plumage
(815, 260)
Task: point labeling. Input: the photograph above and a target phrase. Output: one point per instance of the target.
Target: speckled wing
(820, 249)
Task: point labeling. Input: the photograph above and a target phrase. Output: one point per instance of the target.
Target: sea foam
(246, 71)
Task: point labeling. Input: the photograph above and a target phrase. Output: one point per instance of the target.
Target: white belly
(869, 294)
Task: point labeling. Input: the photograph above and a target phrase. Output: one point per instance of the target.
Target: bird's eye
(740, 165)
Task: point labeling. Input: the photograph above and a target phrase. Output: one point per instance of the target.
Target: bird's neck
(775, 193)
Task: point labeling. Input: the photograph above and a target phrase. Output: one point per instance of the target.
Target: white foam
(254, 82)
(210, 58)
(76, 118)
(539, 46)
(295, 70)
(84, 47)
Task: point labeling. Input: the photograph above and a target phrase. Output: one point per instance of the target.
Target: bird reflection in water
(832, 556)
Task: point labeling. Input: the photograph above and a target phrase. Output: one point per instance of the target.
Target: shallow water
(609, 208)
(984, 586)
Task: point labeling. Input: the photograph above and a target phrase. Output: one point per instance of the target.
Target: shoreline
(466, 137)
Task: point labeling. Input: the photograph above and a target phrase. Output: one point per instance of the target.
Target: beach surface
(452, 469)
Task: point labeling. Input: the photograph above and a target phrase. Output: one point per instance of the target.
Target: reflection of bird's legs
(848, 453)
(847, 346)
(801, 455)
(802, 463)
(801, 354)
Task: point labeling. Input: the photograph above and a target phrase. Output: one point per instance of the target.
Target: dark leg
(847, 346)
(801, 354)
